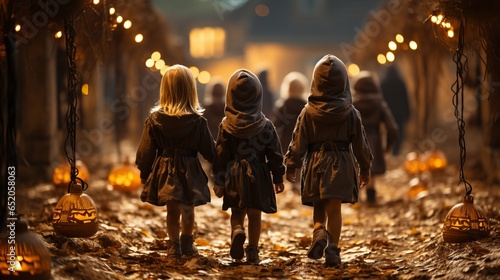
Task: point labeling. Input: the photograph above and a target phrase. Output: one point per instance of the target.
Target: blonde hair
(294, 85)
(178, 94)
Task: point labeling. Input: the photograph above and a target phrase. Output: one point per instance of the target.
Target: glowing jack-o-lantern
(436, 160)
(28, 258)
(62, 173)
(418, 189)
(125, 177)
(415, 163)
(465, 222)
(75, 215)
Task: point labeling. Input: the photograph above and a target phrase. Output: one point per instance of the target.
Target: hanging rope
(72, 118)
(461, 62)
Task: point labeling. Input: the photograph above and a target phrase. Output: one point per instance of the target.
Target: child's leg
(237, 233)
(333, 209)
(320, 236)
(254, 226)
(173, 227)
(173, 215)
(187, 222)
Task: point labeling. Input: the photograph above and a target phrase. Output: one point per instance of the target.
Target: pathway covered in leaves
(397, 239)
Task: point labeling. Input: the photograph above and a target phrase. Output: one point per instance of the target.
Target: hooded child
(327, 141)
(248, 152)
(167, 157)
(375, 112)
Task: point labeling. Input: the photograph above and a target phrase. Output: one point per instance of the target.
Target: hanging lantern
(27, 258)
(465, 222)
(418, 189)
(414, 163)
(75, 215)
(125, 177)
(436, 160)
(62, 173)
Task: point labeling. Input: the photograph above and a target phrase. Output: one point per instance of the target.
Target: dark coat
(248, 148)
(167, 158)
(327, 137)
(375, 113)
(285, 117)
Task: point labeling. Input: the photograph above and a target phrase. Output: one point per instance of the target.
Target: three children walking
(247, 159)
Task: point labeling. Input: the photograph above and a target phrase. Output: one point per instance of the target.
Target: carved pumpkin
(465, 222)
(62, 173)
(125, 177)
(436, 160)
(414, 163)
(30, 258)
(418, 189)
(75, 215)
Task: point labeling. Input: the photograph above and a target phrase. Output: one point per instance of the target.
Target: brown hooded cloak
(375, 112)
(248, 149)
(329, 134)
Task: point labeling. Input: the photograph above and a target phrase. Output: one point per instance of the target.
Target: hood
(175, 126)
(243, 109)
(330, 98)
(364, 84)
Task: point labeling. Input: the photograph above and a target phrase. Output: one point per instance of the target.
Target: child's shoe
(174, 248)
(371, 196)
(332, 256)
(237, 240)
(319, 243)
(252, 252)
(187, 246)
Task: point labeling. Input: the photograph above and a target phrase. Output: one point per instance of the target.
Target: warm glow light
(139, 38)
(204, 77)
(400, 38)
(448, 25)
(434, 19)
(381, 59)
(159, 64)
(390, 56)
(96, 2)
(195, 71)
(18, 28)
(353, 69)
(85, 89)
(112, 11)
(58, 34)
(207, 42)
(413, 45)
(164, 70)
(392, 45)
(119, 19)
(451, 33)
(439, 19)
(150, 63)
(262, 10)
(127, 24)
(156, 55)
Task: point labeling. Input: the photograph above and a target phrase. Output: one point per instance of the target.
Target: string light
(112, 11)
(58, 34)
(400, 38)
(164, 70)
(85, 89)
(204, 77)
(156, 55)
(451, 33)
(127, 24)
(353, 69)
(119, 19)
(17, 28)
(139, 38)
(159, 64)
(390, 56)
(96, 2)
(392, 45)
(381, 59)
(413, 45)
(150, 63)
(195, 71)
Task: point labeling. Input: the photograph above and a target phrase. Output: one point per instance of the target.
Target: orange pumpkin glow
(125, 177)
(418, 189)
(415, 163)
(436, 160)
(62, 173)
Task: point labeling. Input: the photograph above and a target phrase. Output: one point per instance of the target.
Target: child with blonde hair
(174, 133)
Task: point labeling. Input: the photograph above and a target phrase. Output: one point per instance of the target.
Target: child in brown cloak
(248, 150)
(329, 134)
(167, 157)
(375, 112)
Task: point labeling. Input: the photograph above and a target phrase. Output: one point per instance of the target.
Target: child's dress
(248, 148)
(168, 158)
(328, 133)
